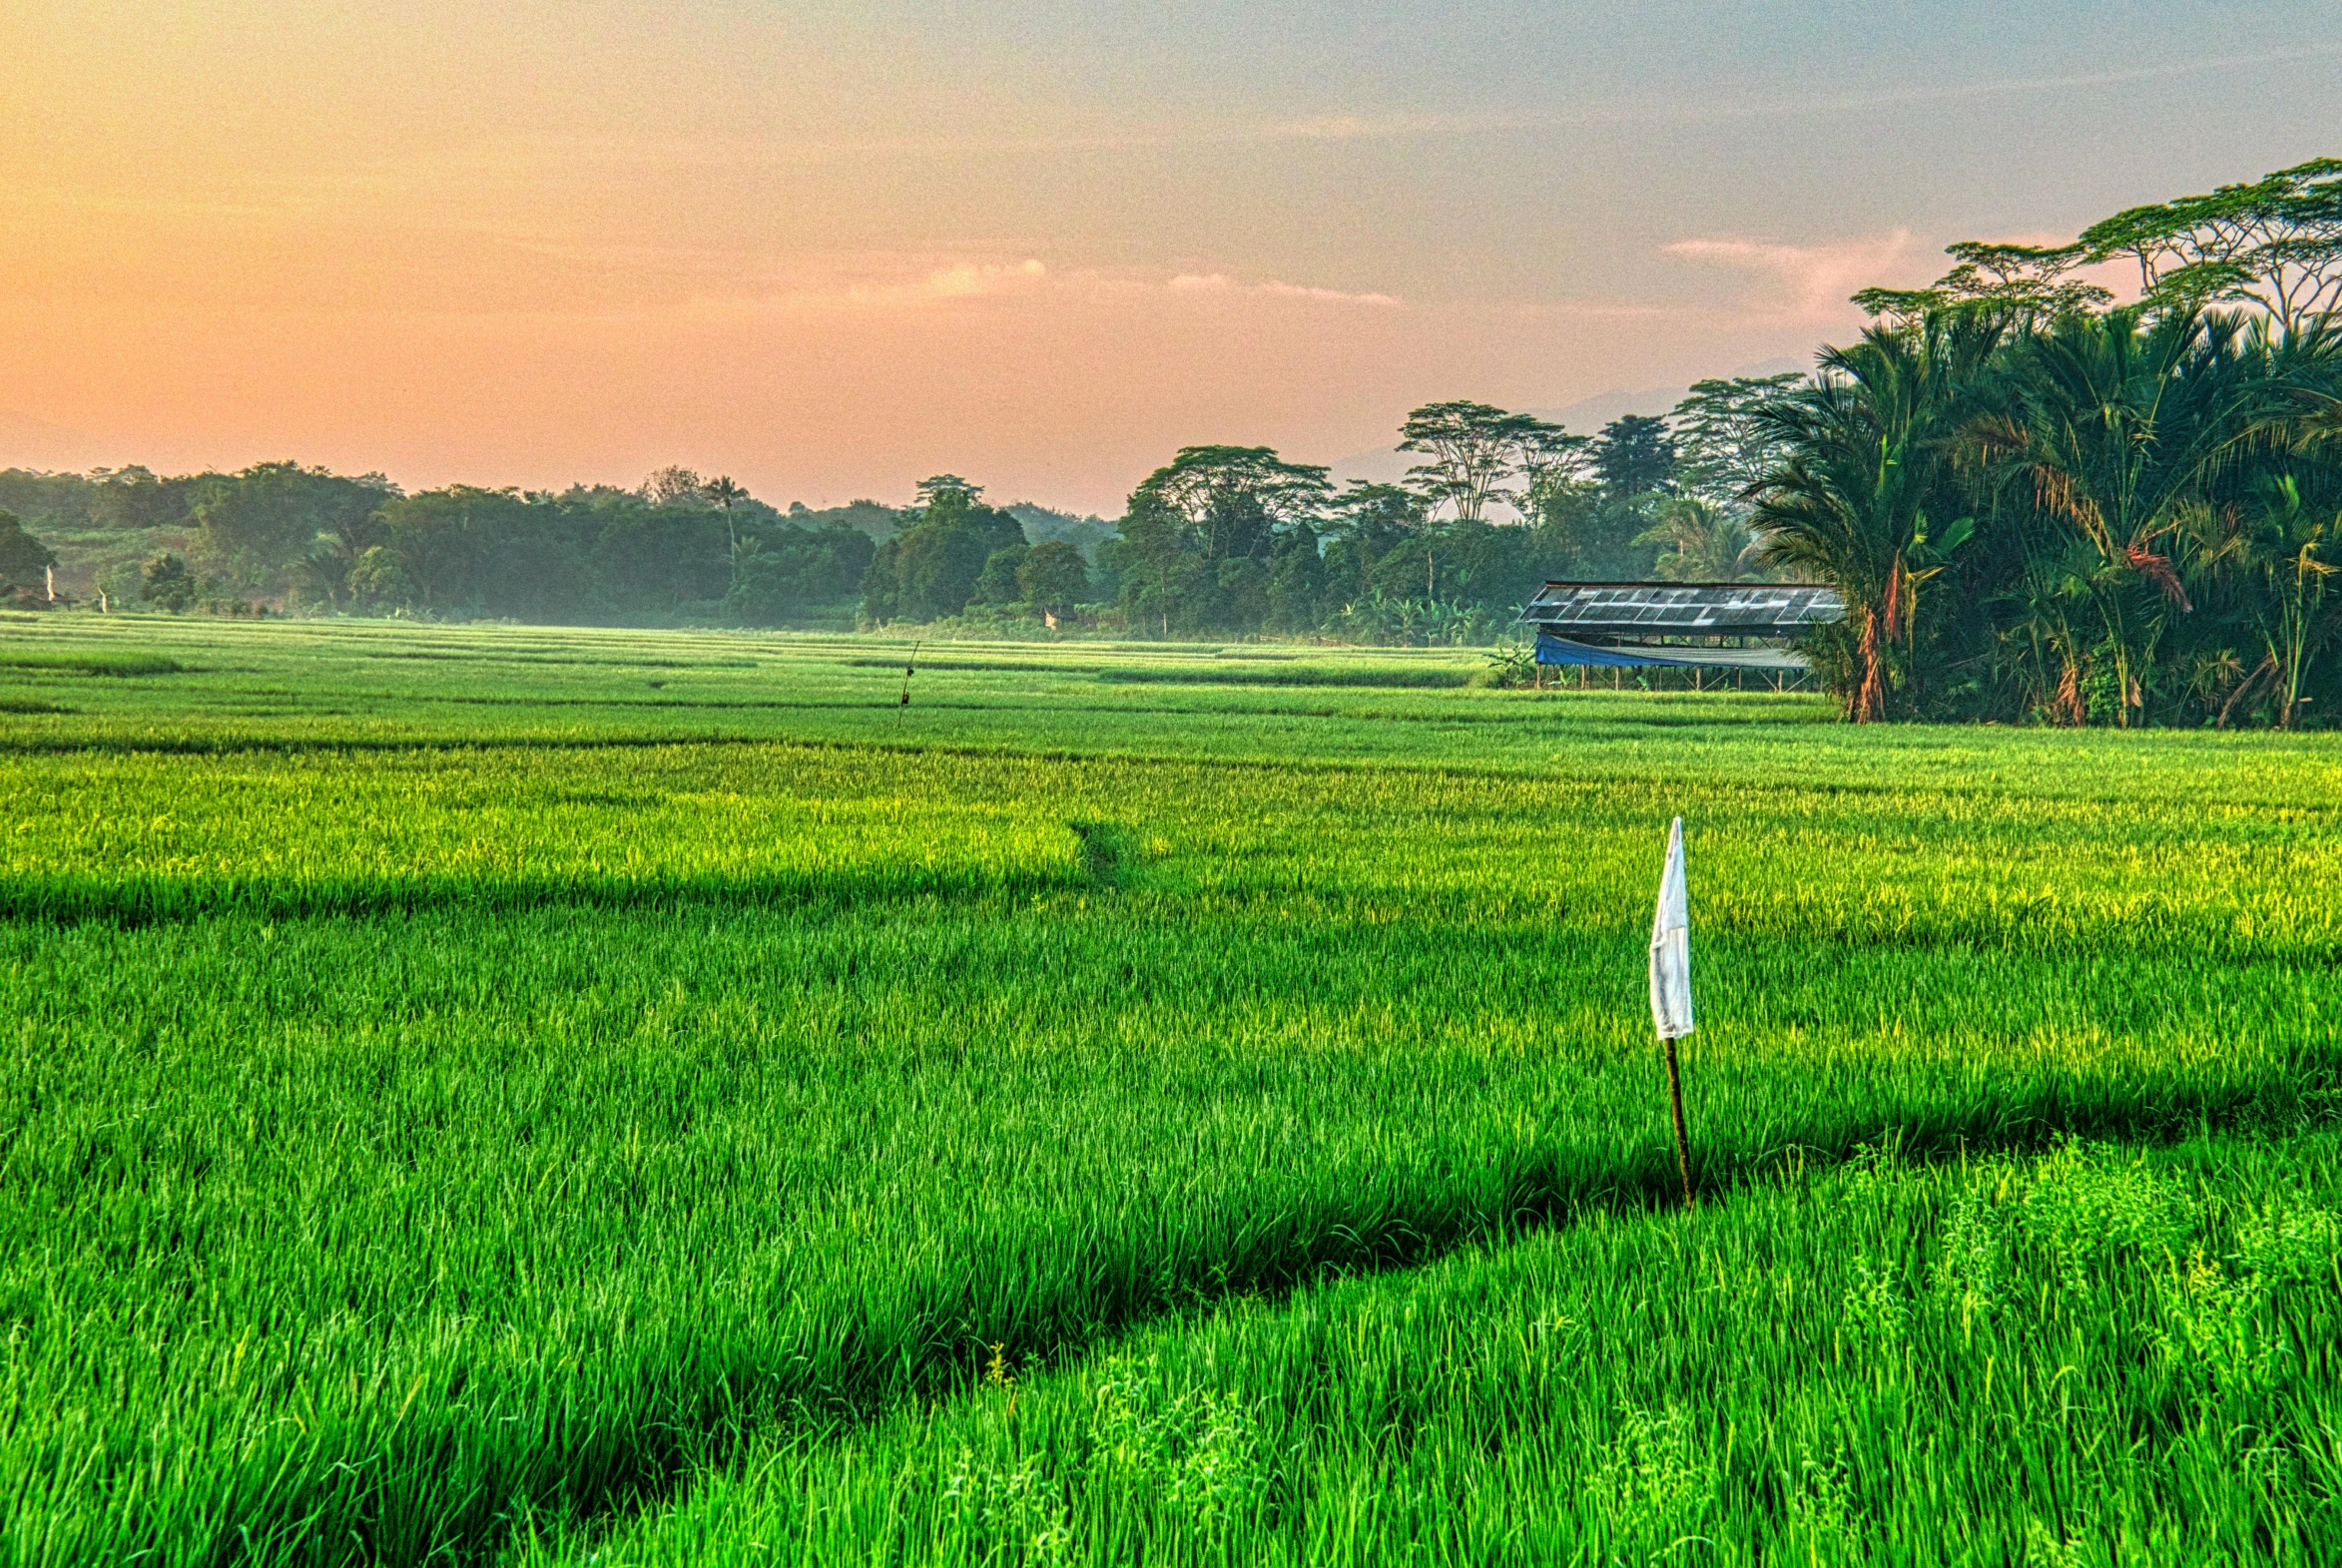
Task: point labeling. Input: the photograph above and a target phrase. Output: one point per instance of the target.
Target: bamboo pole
(1675, 1104)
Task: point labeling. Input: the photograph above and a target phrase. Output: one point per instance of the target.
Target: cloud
(1375, 127)
(1222, 284)
(931, 283)
(503, 153)
(885, 284)
(971, 280)
(1804, 283)
(532, 152)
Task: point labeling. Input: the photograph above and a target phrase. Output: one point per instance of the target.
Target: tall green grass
(268, 687)
(69, 661)
(1920, 865)
(581, 1140)
(380, 1229)
(143, 838)
(2093, 1355)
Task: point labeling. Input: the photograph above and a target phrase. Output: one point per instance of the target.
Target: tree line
(308, 541)
(1221, 541)
(1240, 541)
(678, 549)
(2039, 504)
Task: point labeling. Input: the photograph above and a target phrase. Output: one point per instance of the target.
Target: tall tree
(1552, 460)
(1474, 451)
(932, 568)
(674, 486)
(1156, 557)
(2297, 557)
(1634, 455)
(2114, 424)
(936, 486)
(1722, 446)
(253, 526)
(1199, 532)
(723, 494)
(2027, 286)
(1861, 502)
(2274, 242)
(24, 560)
(1371, 523)
(1053, 577)
(1230, 498)
(1700, 542)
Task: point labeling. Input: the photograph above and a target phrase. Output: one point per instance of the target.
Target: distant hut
(1678, 626)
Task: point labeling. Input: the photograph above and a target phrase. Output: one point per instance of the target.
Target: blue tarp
(1554, 649)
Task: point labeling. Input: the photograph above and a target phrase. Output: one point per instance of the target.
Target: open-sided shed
(1679, 626)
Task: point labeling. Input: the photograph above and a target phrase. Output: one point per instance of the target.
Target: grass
(2146, 1341)
(499, 1112)
(75, 660)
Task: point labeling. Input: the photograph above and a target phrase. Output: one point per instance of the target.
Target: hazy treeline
(308, 541)
(1227, 539)
(1223, 540)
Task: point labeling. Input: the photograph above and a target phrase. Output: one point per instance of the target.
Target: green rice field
(493, 1095)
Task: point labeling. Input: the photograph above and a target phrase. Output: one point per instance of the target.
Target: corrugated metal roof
(1684, 609)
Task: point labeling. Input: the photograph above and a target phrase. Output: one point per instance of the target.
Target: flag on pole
(1671, 988)
(1671, 946)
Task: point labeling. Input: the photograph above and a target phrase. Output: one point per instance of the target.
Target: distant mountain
(1586, 416)
(1083, 531)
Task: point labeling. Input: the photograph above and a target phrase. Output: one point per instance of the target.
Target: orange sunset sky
(829, 248)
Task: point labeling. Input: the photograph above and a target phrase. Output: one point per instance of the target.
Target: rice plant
(464, 1102)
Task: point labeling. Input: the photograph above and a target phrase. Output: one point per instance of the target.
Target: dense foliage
(1238, 540)
(2121, 518)
(1207, 545)
(601, 556)
(486, 1094)
(952, 549)
(2041, 505)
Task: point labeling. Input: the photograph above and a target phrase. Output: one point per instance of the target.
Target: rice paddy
(498, 1095)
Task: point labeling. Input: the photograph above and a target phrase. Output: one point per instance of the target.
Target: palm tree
(1700, 543)
(2039, 642)
(2114, 428)
(2290, 551)
(1864, 500)
(724, 493)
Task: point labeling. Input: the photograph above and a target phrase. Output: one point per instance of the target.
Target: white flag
(1671, 946)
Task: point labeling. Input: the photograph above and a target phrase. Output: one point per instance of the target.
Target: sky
(830, 248)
